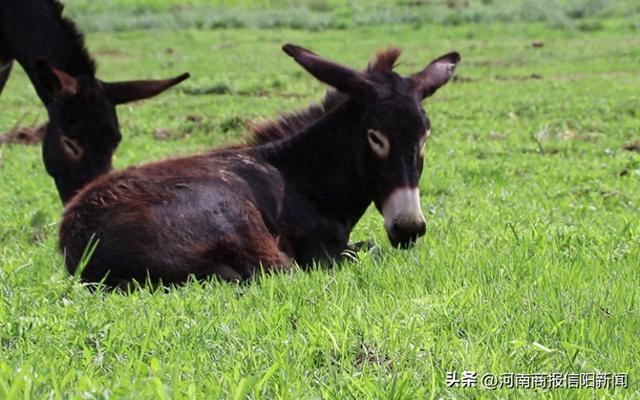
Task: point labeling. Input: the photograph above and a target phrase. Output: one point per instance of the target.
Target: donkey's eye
(379, 143)
(71, 148)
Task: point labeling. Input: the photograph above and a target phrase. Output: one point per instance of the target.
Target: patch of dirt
(371, 355)
(415, 3)
(496, 63)
(197, 123)
(269, 93)
(518, 78)
(181, 8)
(233, 123)
(497, 136)
(586, 75)
(39, 227)
(109, 53)
(24, 135)
(219, 89)
(568, 134)
(587, 138)
(554, 133)
(545, 151)
(462, 79)
(602, 192)
(258, 93)
(195, 118)
(226, 45)
(633, 146)
(167, 134)
(456, 4)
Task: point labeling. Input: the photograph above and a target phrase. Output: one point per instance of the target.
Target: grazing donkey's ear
(124, 92)
(436, 74)
(5, 71)
(54, 82)
(343, 78)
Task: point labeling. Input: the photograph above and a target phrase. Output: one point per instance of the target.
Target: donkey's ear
(124, 92)
(54, 82)
(5, 71)
(343, 78)
(436, 74)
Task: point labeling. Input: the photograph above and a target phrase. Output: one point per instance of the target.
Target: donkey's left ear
(345, 79)
(436, 74)
(124, 92)
(54, 82)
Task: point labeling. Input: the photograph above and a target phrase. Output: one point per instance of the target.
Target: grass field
(531, 262)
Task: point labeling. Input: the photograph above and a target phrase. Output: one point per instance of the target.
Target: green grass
(121, 15)
(531, 262)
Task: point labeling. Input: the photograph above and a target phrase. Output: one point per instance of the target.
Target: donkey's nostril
(397, 227)
(417, 228)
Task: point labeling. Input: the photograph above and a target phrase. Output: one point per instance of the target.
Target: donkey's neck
(323, 163)
(36, 29)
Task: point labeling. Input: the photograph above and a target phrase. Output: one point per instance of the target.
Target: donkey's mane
(270, 130)
(385, 60)
(80, 54)
(287, 124)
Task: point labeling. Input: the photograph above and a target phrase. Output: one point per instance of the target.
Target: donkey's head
(83, 130)
(393, 131)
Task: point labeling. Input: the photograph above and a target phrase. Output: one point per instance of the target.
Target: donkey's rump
(169, 228)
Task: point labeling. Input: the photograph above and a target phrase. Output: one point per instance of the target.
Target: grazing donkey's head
(393, 131)
(83, 130)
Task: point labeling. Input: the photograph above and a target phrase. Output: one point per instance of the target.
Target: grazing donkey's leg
(5, 71)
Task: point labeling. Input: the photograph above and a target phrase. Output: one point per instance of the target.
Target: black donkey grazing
(83, 130)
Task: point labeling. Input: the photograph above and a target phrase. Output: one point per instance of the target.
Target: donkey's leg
(351, 252)
(243, 256)
(5, 71)
(230, 251)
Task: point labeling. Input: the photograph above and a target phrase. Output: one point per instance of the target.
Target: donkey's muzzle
(403, 219)
(403, 234)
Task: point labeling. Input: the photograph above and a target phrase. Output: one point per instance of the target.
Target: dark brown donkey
(83, 130)
(297, 198)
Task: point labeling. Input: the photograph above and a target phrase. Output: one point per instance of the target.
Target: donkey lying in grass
(83, 131)
(295, 198)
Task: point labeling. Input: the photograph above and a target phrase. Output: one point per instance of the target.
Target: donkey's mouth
(403, 243)
(405, 235)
